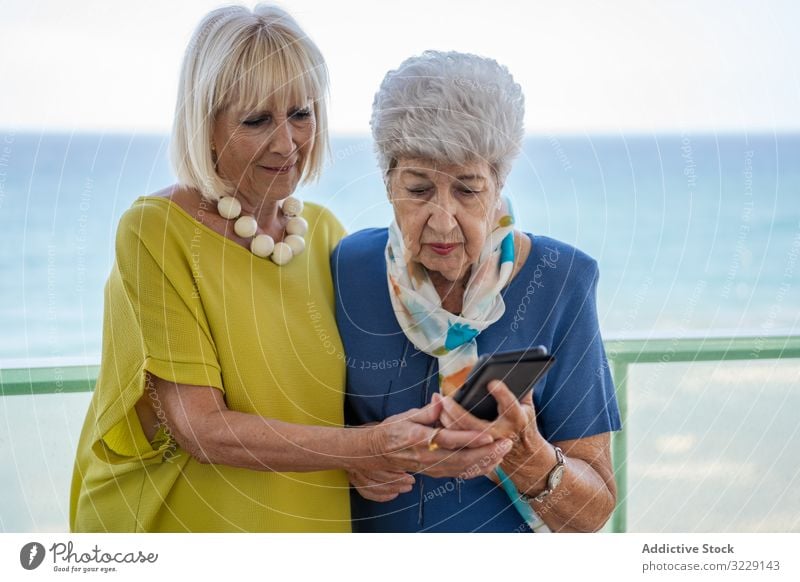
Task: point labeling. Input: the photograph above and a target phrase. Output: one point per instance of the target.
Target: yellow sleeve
(158, 285)
(152, 323)
(336, 231)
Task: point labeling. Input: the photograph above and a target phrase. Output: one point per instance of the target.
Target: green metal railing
(622, 353)
(47, 380)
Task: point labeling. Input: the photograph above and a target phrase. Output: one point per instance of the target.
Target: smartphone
(520, 370)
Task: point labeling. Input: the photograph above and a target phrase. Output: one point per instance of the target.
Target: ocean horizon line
(633, 133)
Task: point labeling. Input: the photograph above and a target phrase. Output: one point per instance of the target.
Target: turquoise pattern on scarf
(507, 249)
(459, 334)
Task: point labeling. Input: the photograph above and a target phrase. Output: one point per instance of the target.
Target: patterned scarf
(431, 328)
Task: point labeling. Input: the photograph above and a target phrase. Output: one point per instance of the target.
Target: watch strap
(560, 463)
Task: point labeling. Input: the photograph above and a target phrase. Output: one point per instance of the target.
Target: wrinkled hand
(379, 485)
(400, 444)
(516, 421)
(514, 418)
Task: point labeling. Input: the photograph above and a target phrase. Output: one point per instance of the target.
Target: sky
(584, 66)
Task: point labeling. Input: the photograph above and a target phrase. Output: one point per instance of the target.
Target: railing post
(619, 445)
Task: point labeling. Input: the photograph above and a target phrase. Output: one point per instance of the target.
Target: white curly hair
(450, 107)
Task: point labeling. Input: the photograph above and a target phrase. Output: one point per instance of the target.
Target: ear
(387, 182)
(387, 177)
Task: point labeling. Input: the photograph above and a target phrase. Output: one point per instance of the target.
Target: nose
(281, 141)
(442, 218)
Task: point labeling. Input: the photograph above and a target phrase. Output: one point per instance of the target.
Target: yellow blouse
(193, 307)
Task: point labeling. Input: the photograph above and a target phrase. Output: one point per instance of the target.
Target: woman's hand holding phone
(514, 416)
(516, 421)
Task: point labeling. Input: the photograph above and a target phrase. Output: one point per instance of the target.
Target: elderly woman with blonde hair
(217, 407)
(452, 279)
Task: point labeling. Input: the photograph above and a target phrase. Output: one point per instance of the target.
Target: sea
(695, 235)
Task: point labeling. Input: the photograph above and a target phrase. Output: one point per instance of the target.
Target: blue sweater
(551, 301)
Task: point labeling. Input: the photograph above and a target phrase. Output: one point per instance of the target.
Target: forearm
(582, 502)
(249, 441)
(200, 422)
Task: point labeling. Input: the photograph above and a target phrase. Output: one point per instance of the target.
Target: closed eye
(300, 114)
(256, 121)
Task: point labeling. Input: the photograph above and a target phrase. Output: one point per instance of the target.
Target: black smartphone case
(520, 371)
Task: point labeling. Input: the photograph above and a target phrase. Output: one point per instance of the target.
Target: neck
(451, 292)
(266, 212)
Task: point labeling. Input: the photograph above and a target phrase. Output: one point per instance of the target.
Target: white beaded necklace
(263, 245)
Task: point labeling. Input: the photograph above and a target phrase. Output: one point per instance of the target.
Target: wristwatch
(554, 478)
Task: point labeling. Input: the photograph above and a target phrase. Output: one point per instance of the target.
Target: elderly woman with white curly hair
(452, 279)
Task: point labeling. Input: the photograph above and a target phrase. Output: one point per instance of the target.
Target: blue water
(696, 234)
(693, 233)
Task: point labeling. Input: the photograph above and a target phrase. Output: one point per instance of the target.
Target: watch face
(555, 477)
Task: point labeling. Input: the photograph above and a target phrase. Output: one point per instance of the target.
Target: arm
(380, 486)
(197, 418)
(579, 386)
(586, 496)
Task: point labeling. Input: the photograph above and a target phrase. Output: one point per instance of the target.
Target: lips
(442, 248)
(279, 169)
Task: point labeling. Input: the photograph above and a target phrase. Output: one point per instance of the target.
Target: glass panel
(712, 447)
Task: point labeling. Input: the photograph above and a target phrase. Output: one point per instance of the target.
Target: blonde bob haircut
(247, 60)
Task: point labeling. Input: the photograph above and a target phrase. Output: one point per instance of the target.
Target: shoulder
(568, 264)
(358, 259)
(147, 216)
(363, 244)
(316, 214)
(156, 223)
(312, 210)
(363, 307)
(156, 208)
(323, 226)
